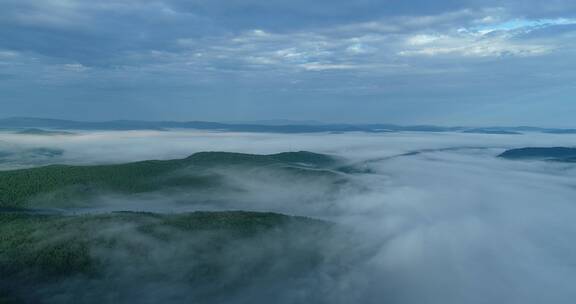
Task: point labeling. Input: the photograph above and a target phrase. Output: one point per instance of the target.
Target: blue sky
(440, 62)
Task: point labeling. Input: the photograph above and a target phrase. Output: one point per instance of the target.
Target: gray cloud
(272, 59)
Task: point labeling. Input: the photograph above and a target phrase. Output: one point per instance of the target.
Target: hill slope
(135, 257)
(62, 184)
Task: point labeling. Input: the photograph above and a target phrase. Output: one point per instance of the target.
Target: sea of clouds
(452, 222)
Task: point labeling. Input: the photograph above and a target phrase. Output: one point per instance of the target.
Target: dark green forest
(207, 252)
(61, 185)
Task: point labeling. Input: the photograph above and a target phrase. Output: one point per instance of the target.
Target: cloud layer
(333, 60)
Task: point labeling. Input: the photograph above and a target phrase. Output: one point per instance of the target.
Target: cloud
(523, 24)
(471, 45)
(494, 39)
(396, 56)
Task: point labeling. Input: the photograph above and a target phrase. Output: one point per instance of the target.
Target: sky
(444, 62)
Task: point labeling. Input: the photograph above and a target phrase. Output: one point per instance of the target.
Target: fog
(451, 224)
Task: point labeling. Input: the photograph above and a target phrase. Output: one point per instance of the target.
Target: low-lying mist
(446, 221)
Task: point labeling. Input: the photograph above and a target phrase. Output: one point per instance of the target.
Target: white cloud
(471, 45)
(495, 39)
(75, 67)
(317, 66)
(260, 33)
(521, 24)
(423, 39)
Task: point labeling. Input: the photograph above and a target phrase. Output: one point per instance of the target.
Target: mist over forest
(217, 217)
(287, 151)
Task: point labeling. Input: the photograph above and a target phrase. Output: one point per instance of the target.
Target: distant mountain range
(266, 127)
(35, 131)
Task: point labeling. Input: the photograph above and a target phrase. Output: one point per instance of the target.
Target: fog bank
(452, 224)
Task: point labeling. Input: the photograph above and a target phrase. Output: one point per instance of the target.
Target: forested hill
(209, 257)
(63, 183)
(558, 154)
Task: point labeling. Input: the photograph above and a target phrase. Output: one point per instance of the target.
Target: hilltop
(65, 185)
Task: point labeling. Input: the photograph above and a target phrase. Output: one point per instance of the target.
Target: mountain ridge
(33, 122)
(62, 185)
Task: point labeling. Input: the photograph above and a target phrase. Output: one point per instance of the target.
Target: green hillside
(205, 253)
(63, 184)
